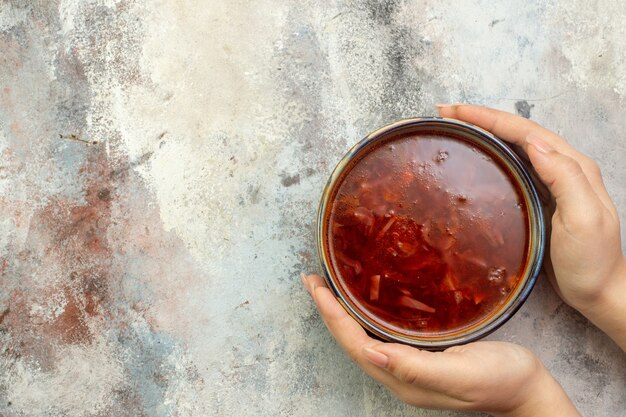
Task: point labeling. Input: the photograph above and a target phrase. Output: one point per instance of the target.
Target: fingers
(348, 333)
(426, 378)
(517, 130)
(505, 125)
(577, 201)
(453, 379)
(431, 370)
(359, 346)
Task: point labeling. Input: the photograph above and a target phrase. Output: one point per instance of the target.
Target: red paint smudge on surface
(70, 326)
(71, 237)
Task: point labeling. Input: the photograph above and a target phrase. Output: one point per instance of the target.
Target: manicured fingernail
(539, 144)
(308, 284)
(379, 359)
(312, 287)
(446, 105)
(305, 282)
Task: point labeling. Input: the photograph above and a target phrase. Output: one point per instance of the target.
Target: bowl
(430, 232)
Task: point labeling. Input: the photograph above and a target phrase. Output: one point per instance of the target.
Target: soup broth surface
(427, 233)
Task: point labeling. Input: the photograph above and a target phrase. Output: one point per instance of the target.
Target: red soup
(427, 233)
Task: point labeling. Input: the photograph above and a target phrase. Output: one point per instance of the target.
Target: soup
(427, 233)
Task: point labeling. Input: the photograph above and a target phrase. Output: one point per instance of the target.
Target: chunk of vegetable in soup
(428, 233)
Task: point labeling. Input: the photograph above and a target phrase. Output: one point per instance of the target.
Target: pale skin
(500, 378)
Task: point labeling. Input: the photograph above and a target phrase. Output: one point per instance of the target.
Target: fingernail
(305, 282)
(539, 144)
(312, 287)
(379, 359)
(446, 105)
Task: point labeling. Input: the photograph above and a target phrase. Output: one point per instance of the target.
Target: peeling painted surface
(160, 167)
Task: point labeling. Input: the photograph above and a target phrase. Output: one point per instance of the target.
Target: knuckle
(570, 165)
(353, 353)
(592, 167)
(405, 374)
(592, 223)
(528, 362)
(497, 123)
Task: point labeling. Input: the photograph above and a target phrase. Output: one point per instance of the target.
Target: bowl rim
(537, 237)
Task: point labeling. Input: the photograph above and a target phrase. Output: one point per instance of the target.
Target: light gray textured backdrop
(160, 167)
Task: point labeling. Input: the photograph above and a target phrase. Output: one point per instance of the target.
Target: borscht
(427, 233)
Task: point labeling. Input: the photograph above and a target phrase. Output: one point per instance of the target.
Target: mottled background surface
(160, 167)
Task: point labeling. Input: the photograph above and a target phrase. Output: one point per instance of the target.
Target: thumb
(566, 180)
(436, 371)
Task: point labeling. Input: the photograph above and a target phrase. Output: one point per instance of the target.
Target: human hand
(496, 377)
(585, 246)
